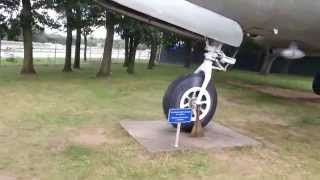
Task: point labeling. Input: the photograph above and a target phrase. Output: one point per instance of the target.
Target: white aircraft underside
(277, 23)
(294, 20)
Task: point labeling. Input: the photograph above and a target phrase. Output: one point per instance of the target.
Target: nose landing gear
(184, 92)
(197, 89)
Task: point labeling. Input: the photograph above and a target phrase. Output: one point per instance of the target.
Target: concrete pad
(158, 136)
(2, 177)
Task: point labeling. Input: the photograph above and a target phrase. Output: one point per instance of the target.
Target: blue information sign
(179, 116)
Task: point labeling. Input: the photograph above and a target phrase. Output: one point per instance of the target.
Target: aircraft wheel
(316, 84)
(184, 91)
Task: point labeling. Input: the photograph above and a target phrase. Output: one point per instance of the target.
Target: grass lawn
(53, 61)
(40, 114)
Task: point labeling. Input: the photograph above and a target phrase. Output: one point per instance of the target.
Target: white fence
(12, 49)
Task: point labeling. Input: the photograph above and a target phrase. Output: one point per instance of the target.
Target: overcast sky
(99, 33)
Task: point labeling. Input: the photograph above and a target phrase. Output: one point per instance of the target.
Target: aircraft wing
(182, 17)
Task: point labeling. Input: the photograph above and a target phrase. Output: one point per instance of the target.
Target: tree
(133, 33)
(8, 20)
(26, 22)
(66, 9)
(78, 26)
(105, 67)
(86, 33)
(3, 29)
(14, 30)
(126, 47)
(135, 37)
(87, 17)
(153, 40)
(92, 17)
(67, 64)
(123, 30)
(9, 26)
(30, 17)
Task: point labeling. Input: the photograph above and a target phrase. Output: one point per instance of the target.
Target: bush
(11, 60)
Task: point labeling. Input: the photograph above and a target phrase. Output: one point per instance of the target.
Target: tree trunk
(68, 63)
(26, 18)
(134, 42)
(316, 84)
(85, 47)
(268, 62)
(285, 69)
(105, 67)
(76, 64)
(153, 55)
(127, 51)
(189, 55)
(0, 48)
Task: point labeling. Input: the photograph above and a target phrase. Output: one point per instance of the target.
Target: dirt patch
(90, 137)
(4, 177)
(280, 92)
(57, 144)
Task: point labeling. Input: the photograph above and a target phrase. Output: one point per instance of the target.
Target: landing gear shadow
(184, 91)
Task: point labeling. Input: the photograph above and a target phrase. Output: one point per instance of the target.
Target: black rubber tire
(176, 90)
(316, 84)
(169, 92)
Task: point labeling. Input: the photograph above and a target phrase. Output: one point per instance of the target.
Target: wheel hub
(193, 103)
(189, 100)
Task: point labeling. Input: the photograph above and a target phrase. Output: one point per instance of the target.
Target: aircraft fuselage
(295, 20)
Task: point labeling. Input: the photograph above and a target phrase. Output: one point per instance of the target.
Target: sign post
(176, 144)
(179, 117)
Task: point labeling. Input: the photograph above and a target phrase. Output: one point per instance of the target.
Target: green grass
(276, 80)
(38, 114)
(52, 61)
(37, 61)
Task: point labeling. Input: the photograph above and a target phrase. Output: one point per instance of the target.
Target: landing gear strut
(197, 88)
